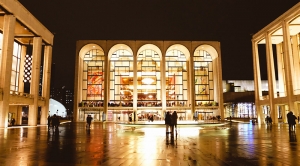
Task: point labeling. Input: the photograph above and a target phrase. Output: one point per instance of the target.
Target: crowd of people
(171, 122)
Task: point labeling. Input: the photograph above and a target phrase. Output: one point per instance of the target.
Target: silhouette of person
(89, 121)
(174, 121)
(168, 122)
(49, 122)
(55, 122)
(13, 121)
(291, 120)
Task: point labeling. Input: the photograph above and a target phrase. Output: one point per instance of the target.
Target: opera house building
(118, 79)
(276, 51)
(25, 46)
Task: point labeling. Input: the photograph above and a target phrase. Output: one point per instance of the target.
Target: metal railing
(26, 95)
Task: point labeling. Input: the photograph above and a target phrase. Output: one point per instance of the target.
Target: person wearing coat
(174, 118)
(168, 122)
(291, 120)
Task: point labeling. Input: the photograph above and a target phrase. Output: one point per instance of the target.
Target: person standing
(174, 121)
(168, 122)
(291, 120)
(89, 121)
(55, 122)
(13, 121)
(49, 122)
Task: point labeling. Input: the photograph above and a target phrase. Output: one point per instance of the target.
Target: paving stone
(109, 144)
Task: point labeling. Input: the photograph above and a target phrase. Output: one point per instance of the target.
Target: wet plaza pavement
(111, 144)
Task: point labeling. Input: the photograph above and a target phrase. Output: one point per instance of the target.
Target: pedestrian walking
(88, 121)
(291, 120)
(49, 122)
(55, 122)
(168, 122)
(174, 122)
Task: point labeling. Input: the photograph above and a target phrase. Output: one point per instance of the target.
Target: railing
(264, 97)
(27, 95)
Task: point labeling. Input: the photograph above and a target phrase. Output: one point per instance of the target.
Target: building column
(135, 84)
(191, 83)
(78, 87)
(280, 69)
(271, 78)
(22, 63)
(106, 88)
(35, 79)
(287, 59)
(163, 84)
(257, 81)
(46, 83)
(219, 85)
(19, 115)
(6, 66)
(295, 52)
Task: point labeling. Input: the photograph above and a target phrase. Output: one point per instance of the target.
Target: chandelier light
(148, 81)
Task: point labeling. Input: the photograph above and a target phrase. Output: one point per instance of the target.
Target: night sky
(231, 22)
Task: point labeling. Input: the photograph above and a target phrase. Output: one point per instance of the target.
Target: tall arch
(206, 81)
(176, 76)
(121, 76)
(91, 75)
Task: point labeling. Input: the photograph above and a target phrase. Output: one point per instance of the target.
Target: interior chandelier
(148, 81)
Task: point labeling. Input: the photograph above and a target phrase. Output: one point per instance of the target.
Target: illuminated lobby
(115, 79)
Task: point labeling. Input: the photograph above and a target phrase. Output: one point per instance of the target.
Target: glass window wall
(121, 79)
(176, 79)
(149, 79)
(204, 83)
(93, 78)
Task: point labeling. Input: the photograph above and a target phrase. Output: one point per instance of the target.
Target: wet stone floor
(111, 144)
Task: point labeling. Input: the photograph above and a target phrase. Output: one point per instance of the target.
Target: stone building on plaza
(25, 46)
(278, 43)
(115, 79)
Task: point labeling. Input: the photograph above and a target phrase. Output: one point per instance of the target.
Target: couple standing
(171, 122)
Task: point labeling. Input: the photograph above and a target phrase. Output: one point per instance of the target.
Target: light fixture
(148, 81)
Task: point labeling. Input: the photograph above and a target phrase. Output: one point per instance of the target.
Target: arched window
(176, 78)
(93, 77)
(204, 82)
(121, 79)
(148, 77)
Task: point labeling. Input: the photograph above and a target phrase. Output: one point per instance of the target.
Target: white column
(78, 87)
(135, 84)
(19, 115)
(271, 77)
(296, 73)
(6, 66)
(46, 83)
(219, 86)
(280, 69)
(35, 78)
(22, 63)
(257, 81)
(106, 84)
(191, 83)
(287, 58)
(163, 83)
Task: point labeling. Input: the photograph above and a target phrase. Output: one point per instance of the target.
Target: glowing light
(148, 81)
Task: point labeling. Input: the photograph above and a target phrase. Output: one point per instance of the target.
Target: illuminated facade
(24, 43)
(278, 43)
(117, 79)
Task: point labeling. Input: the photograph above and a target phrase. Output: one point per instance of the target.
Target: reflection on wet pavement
(110, 144)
